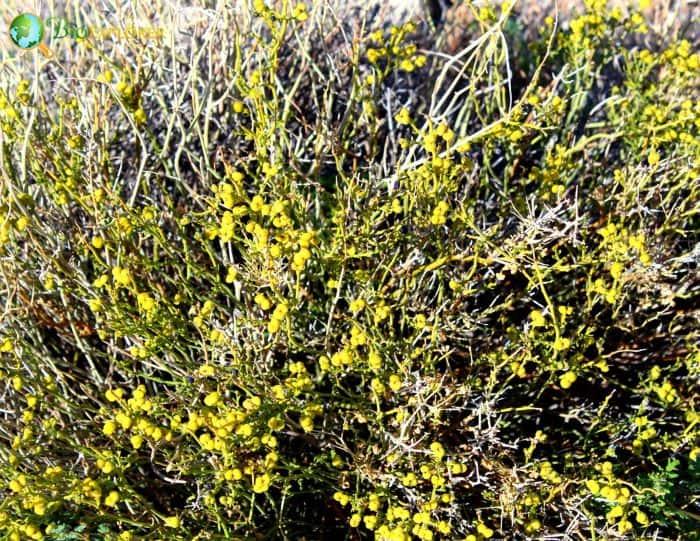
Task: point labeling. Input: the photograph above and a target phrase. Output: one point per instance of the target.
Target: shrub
(294, 274)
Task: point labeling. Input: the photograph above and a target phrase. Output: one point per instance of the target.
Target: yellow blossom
(212, 399)
(262, 483)
(537, 318)
(172, 522)
(231, 275)
(112, 498)
(403, 116)
(109, 427)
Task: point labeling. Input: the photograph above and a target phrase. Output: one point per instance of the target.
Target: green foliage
(671, 495)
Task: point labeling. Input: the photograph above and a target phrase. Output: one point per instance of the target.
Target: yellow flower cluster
(132, 418)
(405, 57)
(357, 305)
(300, 13)
(381, 312)
(567, 379)
(552, 176)
(645, 432)
(403, 116)
(357, 336)
(439, 216)
(147, 304)
(618, 496)
(278, 316)
(548, 473)
(299, 381)
(620, 248)
(431, 143)
(121, 276)
(666, 392)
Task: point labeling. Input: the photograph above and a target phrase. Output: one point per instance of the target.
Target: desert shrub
(300, 275)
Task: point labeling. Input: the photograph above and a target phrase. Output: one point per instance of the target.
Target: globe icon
(26, 31)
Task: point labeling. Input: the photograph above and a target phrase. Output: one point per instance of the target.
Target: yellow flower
(394, 382)
(280, 311)
(615, 512)
(653, 158)
(374, 360)
(273, 325)
(593, 486)
(136, 441)
(105, 465)
(124, 420)
(377, 386)
(561, 344)
(146, 302)
(484, 530)
(121, 276)
(172, 522)
(666, 392)
(341, 498)
(262, 483)
(112, 498)
(140, 116)
(655, 373)
(22, 223)
(231, 275)
(567, 379)
(410, 479)
(256, 203)
(607, 468)
(437, 449)
(307, 423)
(642, 518)
(357, 336)
(420, 321)
(233, 475)
(6, 346)
(421, 518)
(212, 399)
(252, 404)
(370, 521)
(457, 468)
(533, 526)
(109, 427)
(373, 55)
(616, 270)
(357, 305)
(407, 65)
(403, 116)
(124, 225)
(245, 430)
(101, 281)
(262, 301)
(537, 318)
(300, 13)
